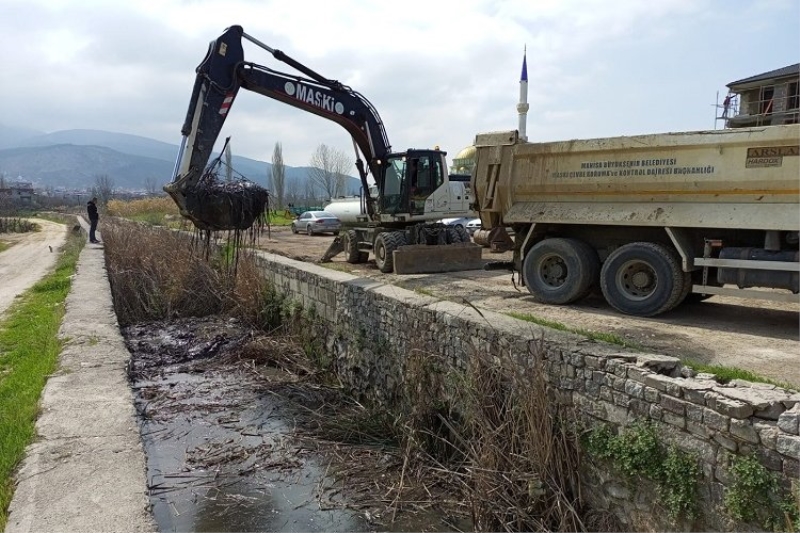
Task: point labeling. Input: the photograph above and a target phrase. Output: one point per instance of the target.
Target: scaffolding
(759, 106)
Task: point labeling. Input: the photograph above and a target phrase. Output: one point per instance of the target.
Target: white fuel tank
(347, 208)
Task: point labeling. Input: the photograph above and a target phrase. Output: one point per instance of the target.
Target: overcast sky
(438, 72)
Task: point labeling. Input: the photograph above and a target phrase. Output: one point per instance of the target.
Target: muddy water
(221, 452)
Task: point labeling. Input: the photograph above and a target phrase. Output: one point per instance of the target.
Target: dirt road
(762, 337)
(30, 257)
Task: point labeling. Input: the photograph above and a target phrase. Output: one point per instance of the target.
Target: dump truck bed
(746, 178)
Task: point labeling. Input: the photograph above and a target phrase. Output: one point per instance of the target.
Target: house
(18, 192)
(765, 99)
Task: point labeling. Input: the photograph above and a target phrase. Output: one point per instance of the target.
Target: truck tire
(685, 292)
(350, 245)
(560, 271)
(642, 279)
(385, 244)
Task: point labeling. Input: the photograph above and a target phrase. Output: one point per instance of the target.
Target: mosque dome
(464, 161)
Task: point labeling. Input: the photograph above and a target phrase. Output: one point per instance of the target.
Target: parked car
(460, 221)
(312, 222)
(472, 226)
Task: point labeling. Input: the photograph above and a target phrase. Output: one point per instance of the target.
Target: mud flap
(333, 250)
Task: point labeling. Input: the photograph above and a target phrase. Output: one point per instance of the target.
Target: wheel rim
(553, 271)
(636, 280)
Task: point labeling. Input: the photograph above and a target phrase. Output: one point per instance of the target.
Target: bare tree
(328, 166)
(277, 178)
(151, 186)
(292, 195)
(228, 163)
(103, 188)
(310, 192)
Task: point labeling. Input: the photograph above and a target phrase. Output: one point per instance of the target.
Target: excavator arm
(220, 76)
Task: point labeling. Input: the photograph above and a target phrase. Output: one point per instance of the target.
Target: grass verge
(29, 348)
(723, 374)
(595, 336)
(4, 246)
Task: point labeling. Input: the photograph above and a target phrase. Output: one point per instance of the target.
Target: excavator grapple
(227, 206)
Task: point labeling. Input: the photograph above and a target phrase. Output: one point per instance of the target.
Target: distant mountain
(11, 137)
(74, 158)
(121, 142)
(77, 167)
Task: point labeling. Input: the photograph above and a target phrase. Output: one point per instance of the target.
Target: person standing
(91, 210)
(726, 105)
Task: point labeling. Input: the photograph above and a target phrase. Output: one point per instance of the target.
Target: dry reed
(487, 443)
(157, 274)
(162, 205)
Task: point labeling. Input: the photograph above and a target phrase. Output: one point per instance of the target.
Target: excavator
(411, 189)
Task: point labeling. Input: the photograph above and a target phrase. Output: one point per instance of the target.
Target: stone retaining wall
(370, 326)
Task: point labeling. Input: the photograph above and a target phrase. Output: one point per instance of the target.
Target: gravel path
(30, 257)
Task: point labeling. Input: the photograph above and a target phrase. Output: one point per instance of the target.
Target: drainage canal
(221, 415)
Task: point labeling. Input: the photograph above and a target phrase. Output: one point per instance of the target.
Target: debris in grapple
(215, 205)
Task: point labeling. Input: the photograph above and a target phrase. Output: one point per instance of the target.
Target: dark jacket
(91, 208)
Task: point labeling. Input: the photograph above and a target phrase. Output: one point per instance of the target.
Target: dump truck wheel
(560, 271)
(642, 279)
(685, 292)
(385, 244)
(352, 254)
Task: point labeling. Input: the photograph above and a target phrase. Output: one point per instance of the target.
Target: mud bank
(229, 448)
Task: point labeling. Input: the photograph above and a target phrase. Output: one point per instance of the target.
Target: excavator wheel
(453, 236)
(385, 245)
(350, 245)
(461, 234)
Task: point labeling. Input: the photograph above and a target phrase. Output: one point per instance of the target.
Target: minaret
(522, 106)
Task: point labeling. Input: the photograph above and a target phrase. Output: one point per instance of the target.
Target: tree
(278, 175)
(311, 193)
(151, 186)
(228, 162)
(292, 195)
(328, 166)
(103, 188)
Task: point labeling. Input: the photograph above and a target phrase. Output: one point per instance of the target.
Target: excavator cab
(411, 183)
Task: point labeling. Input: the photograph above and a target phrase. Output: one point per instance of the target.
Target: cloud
(437, 72)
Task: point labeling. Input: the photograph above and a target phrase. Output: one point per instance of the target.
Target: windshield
(392, 183)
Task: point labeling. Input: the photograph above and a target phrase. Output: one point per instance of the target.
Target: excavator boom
(219, 77)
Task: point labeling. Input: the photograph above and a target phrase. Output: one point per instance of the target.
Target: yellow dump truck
(650, 218)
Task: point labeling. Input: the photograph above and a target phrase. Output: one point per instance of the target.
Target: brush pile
(216, 205)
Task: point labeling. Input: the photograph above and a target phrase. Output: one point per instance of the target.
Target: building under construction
(767, 99)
